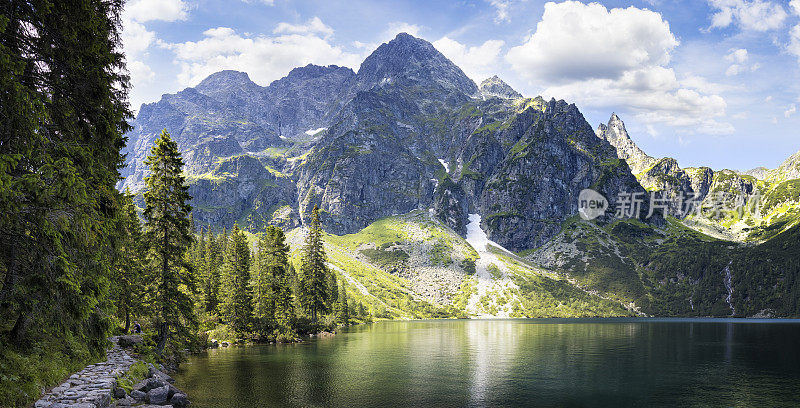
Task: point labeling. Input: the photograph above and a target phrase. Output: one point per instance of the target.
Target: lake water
(542, 363)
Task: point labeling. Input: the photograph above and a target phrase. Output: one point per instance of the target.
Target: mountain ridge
(410, 133)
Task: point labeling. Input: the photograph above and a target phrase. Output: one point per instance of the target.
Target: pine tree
(63, 114)
(333, 290)
(210, 273)
(276, 272)
(342, 308)
(263, 300)
(167, 232)
(129, 280)
(314, 293)
(237, 303)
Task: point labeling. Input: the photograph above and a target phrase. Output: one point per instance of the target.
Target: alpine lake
(637, 362)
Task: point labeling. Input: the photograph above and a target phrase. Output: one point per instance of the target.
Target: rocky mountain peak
(412, 60)
(225, 80)
(496, 87)
(311, 71)
(616, 134)
(789, 169)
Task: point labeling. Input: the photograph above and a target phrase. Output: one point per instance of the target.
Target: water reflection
(511, 363)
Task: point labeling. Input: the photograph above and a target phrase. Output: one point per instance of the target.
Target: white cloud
(795, 4)
(790, 110)
(755, 15)
(501, 6)
(620, 57)
(577, 41)
(794, 41)
(739, 58)
(137, 39)
(141, 72)
(312, 26)
(477, 61)
(264, 58)
(152, 10)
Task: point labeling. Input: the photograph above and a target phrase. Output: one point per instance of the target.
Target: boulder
(119, 393)
(129, 340)
(179, 400)
(154, 382)
(158, 374)
(158, 395)
(138, 395)
(141, 386)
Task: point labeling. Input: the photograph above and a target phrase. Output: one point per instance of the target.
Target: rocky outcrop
(450, 206)
(616, 134)
(241, 189)
(495, 87)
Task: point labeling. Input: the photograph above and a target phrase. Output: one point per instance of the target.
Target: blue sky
(707, 82)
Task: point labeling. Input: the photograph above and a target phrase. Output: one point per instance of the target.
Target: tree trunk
(127, 320)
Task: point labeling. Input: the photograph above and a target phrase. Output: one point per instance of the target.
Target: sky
(708, 82)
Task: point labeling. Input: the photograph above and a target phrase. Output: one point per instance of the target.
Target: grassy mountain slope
(413, 266)
(676, 271)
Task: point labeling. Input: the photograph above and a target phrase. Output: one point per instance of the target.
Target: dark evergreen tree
(210, 273)
(129, 280)
(282, 277)
(342, 308)
(333, 290)
(262, 282)
(167, 233)
(314, 292)
(237, 302)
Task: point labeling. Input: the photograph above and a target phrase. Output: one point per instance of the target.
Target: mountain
(496, 87)
(443, 198)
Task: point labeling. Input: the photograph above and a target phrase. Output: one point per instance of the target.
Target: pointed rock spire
(616, 135)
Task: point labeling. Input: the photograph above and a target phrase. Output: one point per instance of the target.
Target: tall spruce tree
(168, 234)
(342, 309)
(263, 299)
(210, 273)
(129, 272)
(63, 113)
(237, 306)
(274, 265)
(314, 280)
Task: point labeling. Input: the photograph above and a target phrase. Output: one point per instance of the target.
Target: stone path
(91, 387)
